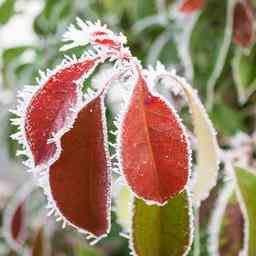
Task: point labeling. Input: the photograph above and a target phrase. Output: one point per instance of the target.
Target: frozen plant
(64, 137)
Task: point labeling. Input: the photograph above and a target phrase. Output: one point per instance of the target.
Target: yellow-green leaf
(162, 230)
(207, 147)
(246, 191)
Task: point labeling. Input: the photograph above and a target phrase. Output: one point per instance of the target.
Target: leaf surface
(80, 178)
(154, 150)
(162, 231)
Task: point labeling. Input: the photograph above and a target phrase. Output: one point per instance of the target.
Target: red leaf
(50, 110)
(80, 178)
(189, 6)
(153, 147)
(14, 224)
(243, 24)
(18, 223)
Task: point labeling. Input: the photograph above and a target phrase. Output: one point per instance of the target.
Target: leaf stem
(196, 251)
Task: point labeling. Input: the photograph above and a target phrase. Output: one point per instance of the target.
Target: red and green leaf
(162, 230)
(80, 179)
(154, 151)
(243, 27)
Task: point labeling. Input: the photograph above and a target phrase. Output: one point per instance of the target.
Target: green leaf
(227, 121)
(209, 45)
(53, 16)
(145, 8)
(12, 63)
(11, 54)
(6, 11)
(244, 72)
(162, 230)
(246, 190)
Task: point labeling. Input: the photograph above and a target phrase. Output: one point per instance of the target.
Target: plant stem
(196, 251)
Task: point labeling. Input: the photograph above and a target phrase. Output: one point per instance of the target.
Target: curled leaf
(189, 6)
(243, 27)
(48, 111)
(207, 146)
(79, 181)
(162, 230)
(154, 151)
